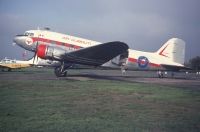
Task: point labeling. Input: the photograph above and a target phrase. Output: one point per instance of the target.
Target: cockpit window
(29, 34)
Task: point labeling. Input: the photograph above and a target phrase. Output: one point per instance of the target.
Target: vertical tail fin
(174, 50)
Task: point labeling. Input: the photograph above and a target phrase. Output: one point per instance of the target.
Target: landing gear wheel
(59, 73)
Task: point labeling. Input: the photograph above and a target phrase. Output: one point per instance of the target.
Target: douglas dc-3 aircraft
(69, 50)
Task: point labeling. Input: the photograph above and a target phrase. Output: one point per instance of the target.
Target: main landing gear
(61, 71)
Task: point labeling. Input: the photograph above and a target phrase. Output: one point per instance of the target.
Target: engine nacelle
(118, 62)
(120, 59)
(50, 52)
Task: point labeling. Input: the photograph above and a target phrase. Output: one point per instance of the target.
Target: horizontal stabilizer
(175, 68)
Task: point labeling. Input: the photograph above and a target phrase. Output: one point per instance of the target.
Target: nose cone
(24, 42)
(16, 40)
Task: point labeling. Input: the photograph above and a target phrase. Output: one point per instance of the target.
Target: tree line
(194, 63)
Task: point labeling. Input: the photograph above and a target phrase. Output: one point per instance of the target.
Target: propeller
(35, 54)
(36, 47)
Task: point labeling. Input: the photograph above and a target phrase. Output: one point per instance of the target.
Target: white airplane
(68, 50)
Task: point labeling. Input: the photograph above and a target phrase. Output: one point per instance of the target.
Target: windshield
(29, 34)
(26, 34)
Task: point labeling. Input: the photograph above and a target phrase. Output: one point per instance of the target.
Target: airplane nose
(24, 42)
(19, 40)
(16, 39)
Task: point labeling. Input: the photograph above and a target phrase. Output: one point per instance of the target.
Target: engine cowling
(41, 51)
(49, 52)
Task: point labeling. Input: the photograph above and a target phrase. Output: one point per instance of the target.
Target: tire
(58, 72)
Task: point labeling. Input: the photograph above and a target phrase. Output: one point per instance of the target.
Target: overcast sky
(142, 24)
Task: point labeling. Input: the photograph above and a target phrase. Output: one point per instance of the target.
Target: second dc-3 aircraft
(69, 50)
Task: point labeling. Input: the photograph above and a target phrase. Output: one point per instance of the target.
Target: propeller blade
(35, 53)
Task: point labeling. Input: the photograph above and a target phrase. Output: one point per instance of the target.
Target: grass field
(96, 105)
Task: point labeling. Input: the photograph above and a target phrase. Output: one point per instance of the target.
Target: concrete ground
(180, 79)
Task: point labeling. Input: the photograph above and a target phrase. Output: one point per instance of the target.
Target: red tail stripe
(161, 52)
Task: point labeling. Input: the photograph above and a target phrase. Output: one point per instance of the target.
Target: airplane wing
(175, 68)
(96, 55)
(4, 66)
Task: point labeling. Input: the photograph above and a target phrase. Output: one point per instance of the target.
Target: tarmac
(180, 79)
